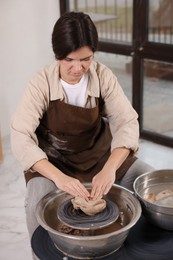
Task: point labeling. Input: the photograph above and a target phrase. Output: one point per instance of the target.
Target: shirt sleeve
(123, 119)
(26, 119)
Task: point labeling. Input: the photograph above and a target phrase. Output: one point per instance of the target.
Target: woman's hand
(71, 185)
(102, 182)
(64, 182)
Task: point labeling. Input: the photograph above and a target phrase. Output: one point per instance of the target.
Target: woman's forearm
(64, 182)
(117, 157)
(47, 169)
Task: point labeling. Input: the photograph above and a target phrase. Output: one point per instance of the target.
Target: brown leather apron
(76, 140)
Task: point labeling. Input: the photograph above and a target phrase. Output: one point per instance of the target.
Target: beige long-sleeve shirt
(45, 86)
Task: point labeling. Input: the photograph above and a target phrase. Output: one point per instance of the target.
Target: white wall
(25, 47)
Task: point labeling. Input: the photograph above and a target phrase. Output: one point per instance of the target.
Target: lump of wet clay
(90, 207)
(151, 197)
(163, 194)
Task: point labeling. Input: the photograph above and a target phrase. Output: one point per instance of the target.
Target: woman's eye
(68, 59)
(87, 59)
(81, 60)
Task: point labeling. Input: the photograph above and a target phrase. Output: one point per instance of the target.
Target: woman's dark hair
(72, 31)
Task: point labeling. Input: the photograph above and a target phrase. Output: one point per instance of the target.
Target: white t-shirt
(76, 94)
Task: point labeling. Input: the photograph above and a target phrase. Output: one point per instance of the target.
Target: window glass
(121, 67)
(113, 19)
(158, 97)
(161, 21)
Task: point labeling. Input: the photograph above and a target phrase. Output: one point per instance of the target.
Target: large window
(136, 42)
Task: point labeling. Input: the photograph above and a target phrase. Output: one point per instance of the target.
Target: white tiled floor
(14, 241)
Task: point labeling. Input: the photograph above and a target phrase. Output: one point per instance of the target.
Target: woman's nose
(77, 65)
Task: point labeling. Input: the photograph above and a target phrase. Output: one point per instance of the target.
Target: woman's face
(75, 65)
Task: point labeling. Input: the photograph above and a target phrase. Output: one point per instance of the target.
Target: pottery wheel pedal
(77, 219)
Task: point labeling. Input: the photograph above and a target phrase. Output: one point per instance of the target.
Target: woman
(74, 124)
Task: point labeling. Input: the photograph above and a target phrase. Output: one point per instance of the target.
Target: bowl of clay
(155, 193)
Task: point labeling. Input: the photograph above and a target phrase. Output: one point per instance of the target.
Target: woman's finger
(82, 191)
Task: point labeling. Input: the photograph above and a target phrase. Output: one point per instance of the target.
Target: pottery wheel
(77, 219)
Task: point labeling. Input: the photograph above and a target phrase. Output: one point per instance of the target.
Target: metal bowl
(154, 182)
(95, 243)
